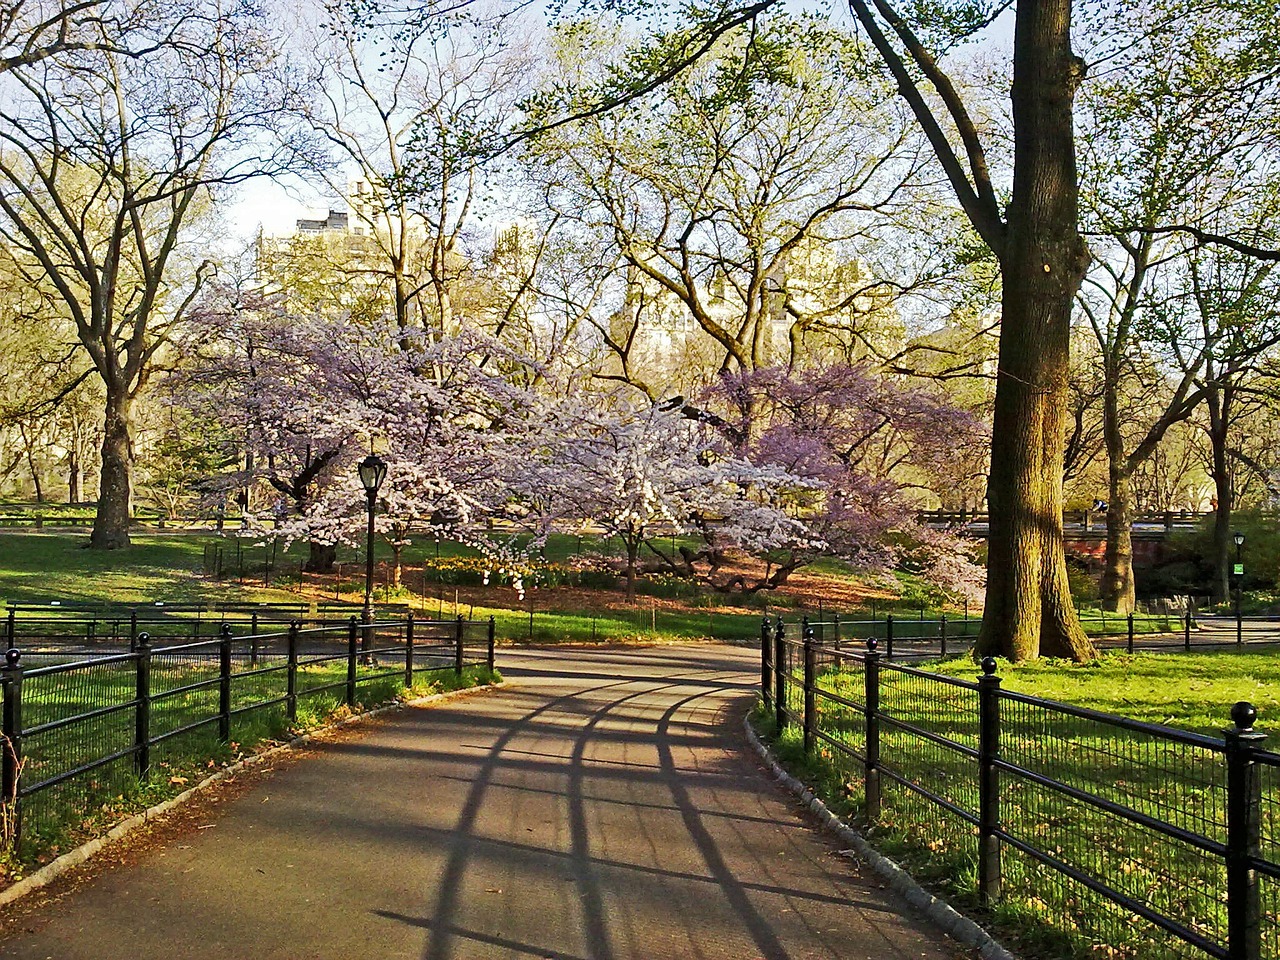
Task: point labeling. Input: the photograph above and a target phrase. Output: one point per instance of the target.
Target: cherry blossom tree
(645, 472)
(310, 395)
(868, 447)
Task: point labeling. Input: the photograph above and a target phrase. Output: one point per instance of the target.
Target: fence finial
(989, 665)
(872, 644)
(12, 657)
(1243, 715)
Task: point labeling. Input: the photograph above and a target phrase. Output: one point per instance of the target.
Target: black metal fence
(941, 636)
(77, 733)
(61, 624)
(1122, 838)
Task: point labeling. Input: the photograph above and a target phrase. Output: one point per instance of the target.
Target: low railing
(1089, 519)
(942, 636)
(28, 625)
(1123, 838)
(78, 733)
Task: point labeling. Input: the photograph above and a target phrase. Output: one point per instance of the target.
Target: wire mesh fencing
(81, 735)
(1111, 836)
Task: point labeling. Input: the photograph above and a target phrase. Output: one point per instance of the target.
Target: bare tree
(107, 163)
(422, 104)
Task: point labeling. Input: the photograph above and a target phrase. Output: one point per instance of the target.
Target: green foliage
(1084, 585)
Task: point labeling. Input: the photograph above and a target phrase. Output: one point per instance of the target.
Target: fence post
(142, 709)
(837, 660)
(766, 670)
(1129, 643)
(780, 675)
(408, 651)
(493, 636)
(810, 704)
(10, 627)
(291, 674)
(989, 875)
(871, 765)
(253, 639)
(224, 684)
(11, 740)
(458, 649)
(1186, 631)
(133, 630)
(888, 636)
(1244, 835)
(353, 639)
(942, 634)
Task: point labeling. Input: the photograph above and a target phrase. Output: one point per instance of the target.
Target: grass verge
(59, 818)
(1042, 912)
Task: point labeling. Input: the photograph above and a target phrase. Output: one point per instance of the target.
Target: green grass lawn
(1191, 691)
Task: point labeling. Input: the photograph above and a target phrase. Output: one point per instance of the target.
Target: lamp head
(1238, 537)
(372, 471)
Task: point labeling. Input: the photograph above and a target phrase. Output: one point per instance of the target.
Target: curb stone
(954, 924)
(74, 858)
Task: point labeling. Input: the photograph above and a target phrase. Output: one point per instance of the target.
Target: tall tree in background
(417, 105)
(752, 197)
(1177, 129)
(106, 162)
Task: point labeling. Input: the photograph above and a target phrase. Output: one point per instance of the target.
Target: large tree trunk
(1028, 607)
(115, 493)
(1221, 476)
(73, 477)
(1118, 588)
(321, 557)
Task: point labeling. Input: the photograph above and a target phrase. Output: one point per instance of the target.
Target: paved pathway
(602, 807)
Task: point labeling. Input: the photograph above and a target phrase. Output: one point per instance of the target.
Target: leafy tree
(1176, 129)
(1034, 235)
(749, 202)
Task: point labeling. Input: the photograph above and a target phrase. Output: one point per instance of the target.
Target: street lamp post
(372, 472)
(1237, 575)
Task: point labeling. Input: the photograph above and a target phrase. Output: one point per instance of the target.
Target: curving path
(604, 806)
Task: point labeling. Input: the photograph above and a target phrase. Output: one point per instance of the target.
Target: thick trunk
(633, 559)
(73, 478)
(1028, 607)
(1221, 520)
(1118, 588)
(35, 476)
(1218, 403)
(115, 489)
(321, 557)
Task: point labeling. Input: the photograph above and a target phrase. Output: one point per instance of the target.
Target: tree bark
(1028, 608)
(115, 493)
(1218, 403)
(1119, 590)
(321, 557)
(73, 478)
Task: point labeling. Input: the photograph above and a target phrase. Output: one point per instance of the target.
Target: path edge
(74, 858)
(954, 924)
